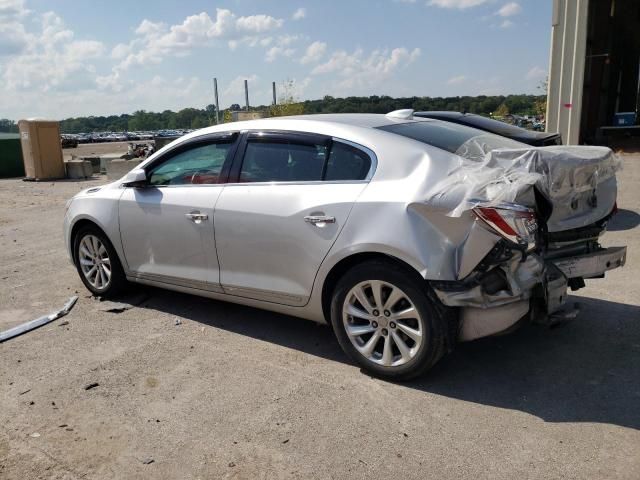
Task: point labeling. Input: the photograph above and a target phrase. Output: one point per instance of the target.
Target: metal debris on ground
(92, 385)
(38, 322)
(178, 321)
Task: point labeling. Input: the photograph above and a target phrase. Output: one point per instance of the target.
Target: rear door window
(347, 163)
(275, 157)
(279, 160)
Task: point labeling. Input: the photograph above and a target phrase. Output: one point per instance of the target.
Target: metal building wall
(566, 68)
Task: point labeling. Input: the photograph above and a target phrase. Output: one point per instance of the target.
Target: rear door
(291, 196)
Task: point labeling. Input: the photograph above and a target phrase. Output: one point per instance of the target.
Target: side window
(347, 163)
(282, 161)
(198, 165)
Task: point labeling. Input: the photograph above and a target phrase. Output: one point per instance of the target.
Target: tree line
(193, 118)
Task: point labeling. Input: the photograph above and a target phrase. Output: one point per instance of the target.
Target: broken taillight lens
(516, 223)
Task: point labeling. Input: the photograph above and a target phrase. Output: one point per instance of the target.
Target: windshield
(464, 141)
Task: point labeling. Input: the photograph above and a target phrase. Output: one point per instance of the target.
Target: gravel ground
(187, 387)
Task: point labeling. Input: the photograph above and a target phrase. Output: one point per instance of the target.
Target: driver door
(166, 227)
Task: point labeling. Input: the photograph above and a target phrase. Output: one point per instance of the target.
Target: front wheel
(97, 262)
(386, 322)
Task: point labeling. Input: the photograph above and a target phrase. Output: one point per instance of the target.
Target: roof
(366, 120)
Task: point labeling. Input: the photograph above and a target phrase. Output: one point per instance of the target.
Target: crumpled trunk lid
(577, 182)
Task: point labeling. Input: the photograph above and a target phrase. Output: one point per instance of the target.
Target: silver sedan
(407, 235)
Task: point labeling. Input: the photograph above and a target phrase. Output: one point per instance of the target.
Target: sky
(64, 58)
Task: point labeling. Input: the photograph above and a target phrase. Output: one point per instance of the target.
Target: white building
(594, 74)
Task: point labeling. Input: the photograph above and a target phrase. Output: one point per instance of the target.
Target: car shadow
(623, 220)
(584, 371)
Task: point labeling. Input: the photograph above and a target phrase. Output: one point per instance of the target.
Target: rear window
(464, 141)
(496, 126)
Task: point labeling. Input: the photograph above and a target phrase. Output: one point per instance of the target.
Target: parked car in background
(68, 141)
(406, 234)
(533, 138)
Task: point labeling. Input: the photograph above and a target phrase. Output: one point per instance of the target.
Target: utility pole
(246, 94)
(215, 90)
(273, 86)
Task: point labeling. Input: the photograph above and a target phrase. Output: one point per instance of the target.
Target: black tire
(117, 281)
(439, 322)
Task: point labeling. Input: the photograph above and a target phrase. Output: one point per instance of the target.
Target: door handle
(196, 217)
(319, 220)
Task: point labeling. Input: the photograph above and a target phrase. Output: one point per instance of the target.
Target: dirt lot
(233, 392)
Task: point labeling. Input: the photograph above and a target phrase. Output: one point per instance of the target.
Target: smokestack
(273, 85)
(246, 94)
(215, 90)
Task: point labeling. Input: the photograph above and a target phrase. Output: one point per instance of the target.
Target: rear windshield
(464, 141)
(501, 128)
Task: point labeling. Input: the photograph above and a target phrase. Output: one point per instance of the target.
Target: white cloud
(281, 48)
(506, 24)
(535, 73)
(13, 36)
(155, 40)
(459, 4)
(258, 23)
(314, 53)
(509, 9)
(12, 9)
(148, 28)
(299, 14)
(120, 51)
(358, 70)
(235, 88)
(457, 80)
(51, 59)
(274, 52)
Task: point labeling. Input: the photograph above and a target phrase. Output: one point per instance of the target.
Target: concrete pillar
(566, 68)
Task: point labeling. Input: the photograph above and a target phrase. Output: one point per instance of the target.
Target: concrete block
(78, 169)
(117, 168)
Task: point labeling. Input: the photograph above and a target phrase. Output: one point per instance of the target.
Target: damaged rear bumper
(527, 286)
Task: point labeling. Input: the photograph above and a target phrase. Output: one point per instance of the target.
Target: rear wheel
(386, 321)
(97, 262)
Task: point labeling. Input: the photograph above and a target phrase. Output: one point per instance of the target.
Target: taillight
(516, 223)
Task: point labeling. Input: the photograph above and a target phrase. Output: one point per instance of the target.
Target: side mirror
(135, 178)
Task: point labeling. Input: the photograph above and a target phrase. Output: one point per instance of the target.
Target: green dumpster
(11, 164)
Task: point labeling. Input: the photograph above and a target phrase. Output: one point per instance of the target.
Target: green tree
(502, 111)
(287, 104)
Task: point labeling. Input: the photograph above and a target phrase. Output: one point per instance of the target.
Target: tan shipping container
(41, 149)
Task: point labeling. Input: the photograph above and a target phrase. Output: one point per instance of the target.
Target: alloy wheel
(95, 262)
(382, 323)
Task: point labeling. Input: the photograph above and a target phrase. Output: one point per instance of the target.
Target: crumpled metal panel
(578, 181)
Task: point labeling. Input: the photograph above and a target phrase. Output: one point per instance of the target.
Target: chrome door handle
(318, 220)
(196, 217)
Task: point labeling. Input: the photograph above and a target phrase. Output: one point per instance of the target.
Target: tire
(401, 290)
(86, 243)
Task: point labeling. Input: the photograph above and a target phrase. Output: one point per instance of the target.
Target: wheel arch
(77, 226)
(345, 264)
